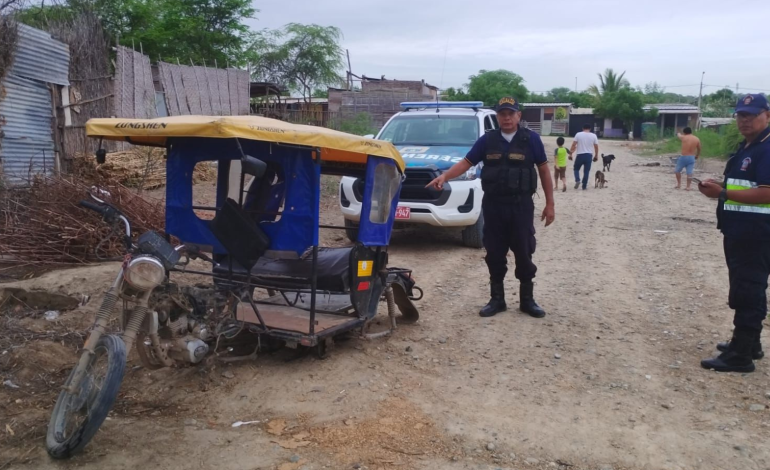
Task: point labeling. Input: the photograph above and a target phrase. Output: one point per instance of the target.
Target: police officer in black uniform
(743, 216)
(512, 158)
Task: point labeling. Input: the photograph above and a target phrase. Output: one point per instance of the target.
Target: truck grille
(413, 189)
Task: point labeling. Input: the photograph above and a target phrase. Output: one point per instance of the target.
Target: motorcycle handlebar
(94, 207)
(110, 214)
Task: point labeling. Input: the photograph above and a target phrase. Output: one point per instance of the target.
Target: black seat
(333, 270)
(239, 234)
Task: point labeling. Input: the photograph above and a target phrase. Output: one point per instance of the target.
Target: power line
(678, 86)
(743, 86)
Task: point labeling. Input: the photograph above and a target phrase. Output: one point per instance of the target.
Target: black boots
(496, 303)
(756, 348)
(527, 301)
(737, 358)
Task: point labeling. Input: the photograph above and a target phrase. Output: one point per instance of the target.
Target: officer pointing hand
(514, 158)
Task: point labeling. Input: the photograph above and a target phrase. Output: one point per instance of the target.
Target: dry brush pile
(43, 224)
(140, 167)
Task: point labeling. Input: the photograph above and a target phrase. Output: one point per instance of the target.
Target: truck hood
(443, 157)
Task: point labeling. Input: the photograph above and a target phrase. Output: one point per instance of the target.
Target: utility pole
(700, 99)
(350, 72)
(737, 88)
(575, 84)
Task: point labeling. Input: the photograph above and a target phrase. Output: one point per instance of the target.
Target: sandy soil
(634, 282)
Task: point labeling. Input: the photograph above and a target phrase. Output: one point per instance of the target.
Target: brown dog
(600, 180)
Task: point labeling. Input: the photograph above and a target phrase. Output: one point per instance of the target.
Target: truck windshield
(432, 130)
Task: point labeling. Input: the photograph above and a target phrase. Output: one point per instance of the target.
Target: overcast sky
(548, 42)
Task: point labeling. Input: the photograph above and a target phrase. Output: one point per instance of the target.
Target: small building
(380, 84)
(379, 98)
(578, 117)
(264, 90)
(674, 116)
(299, 110)
(541, 117)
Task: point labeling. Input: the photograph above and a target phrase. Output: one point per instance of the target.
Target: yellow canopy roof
(335, 146)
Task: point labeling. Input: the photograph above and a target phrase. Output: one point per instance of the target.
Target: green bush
(360, 124)
(651, 134)
(731, 137)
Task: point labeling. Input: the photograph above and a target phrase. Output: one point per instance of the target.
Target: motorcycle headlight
(144, 273)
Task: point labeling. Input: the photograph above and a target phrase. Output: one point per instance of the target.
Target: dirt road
(634, 282)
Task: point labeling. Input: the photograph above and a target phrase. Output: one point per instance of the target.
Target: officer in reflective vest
(743, 215)
(512, 157)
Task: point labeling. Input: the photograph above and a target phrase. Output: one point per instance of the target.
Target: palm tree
(610, 82)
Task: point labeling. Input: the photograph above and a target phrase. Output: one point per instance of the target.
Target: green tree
(201, 30)
(538, 98)
(303, 57)
(455, 94)
(581, 99)
(320, 93)
(609, 82)
(721, 103)
(624, 104)
(491, 85)
(653, 93)
(561, 95)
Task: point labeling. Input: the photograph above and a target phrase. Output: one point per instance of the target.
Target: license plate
(403, 212)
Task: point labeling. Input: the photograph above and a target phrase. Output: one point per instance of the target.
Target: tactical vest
(509, 173)
(737, 219)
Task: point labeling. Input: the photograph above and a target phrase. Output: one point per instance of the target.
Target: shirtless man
(690, 153)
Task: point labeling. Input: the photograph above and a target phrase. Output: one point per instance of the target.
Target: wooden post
(219, 92)
(662, 124)
(197, 84)
(57, 141)
(542, 119)
(184, 86)
(208, 85)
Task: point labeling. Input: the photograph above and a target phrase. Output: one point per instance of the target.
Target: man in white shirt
(585, 143)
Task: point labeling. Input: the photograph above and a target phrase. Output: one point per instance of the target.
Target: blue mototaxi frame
(293, 180)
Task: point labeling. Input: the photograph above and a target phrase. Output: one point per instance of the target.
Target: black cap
(507, 102)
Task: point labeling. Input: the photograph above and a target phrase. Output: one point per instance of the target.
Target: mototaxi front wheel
(77, 416)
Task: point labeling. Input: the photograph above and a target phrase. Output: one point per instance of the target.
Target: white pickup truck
(431, 136)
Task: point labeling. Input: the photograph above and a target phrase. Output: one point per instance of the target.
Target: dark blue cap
(507, 103)
(753, 103)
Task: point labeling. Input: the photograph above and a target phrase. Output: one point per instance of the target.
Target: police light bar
(442, 104)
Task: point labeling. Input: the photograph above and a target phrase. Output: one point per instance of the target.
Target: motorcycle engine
(181, 324)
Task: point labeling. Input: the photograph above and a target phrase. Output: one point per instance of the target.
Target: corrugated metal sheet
(27, 146)
(545, 105)
(672, 107)
(40, 57)
(582, 111)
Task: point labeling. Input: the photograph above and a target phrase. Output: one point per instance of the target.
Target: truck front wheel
(473, 235)
(351, 230)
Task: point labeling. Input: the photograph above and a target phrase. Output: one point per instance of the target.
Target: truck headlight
(468, 175)
(144, 273)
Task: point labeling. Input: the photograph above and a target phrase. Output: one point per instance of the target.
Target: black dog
(607, 159)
